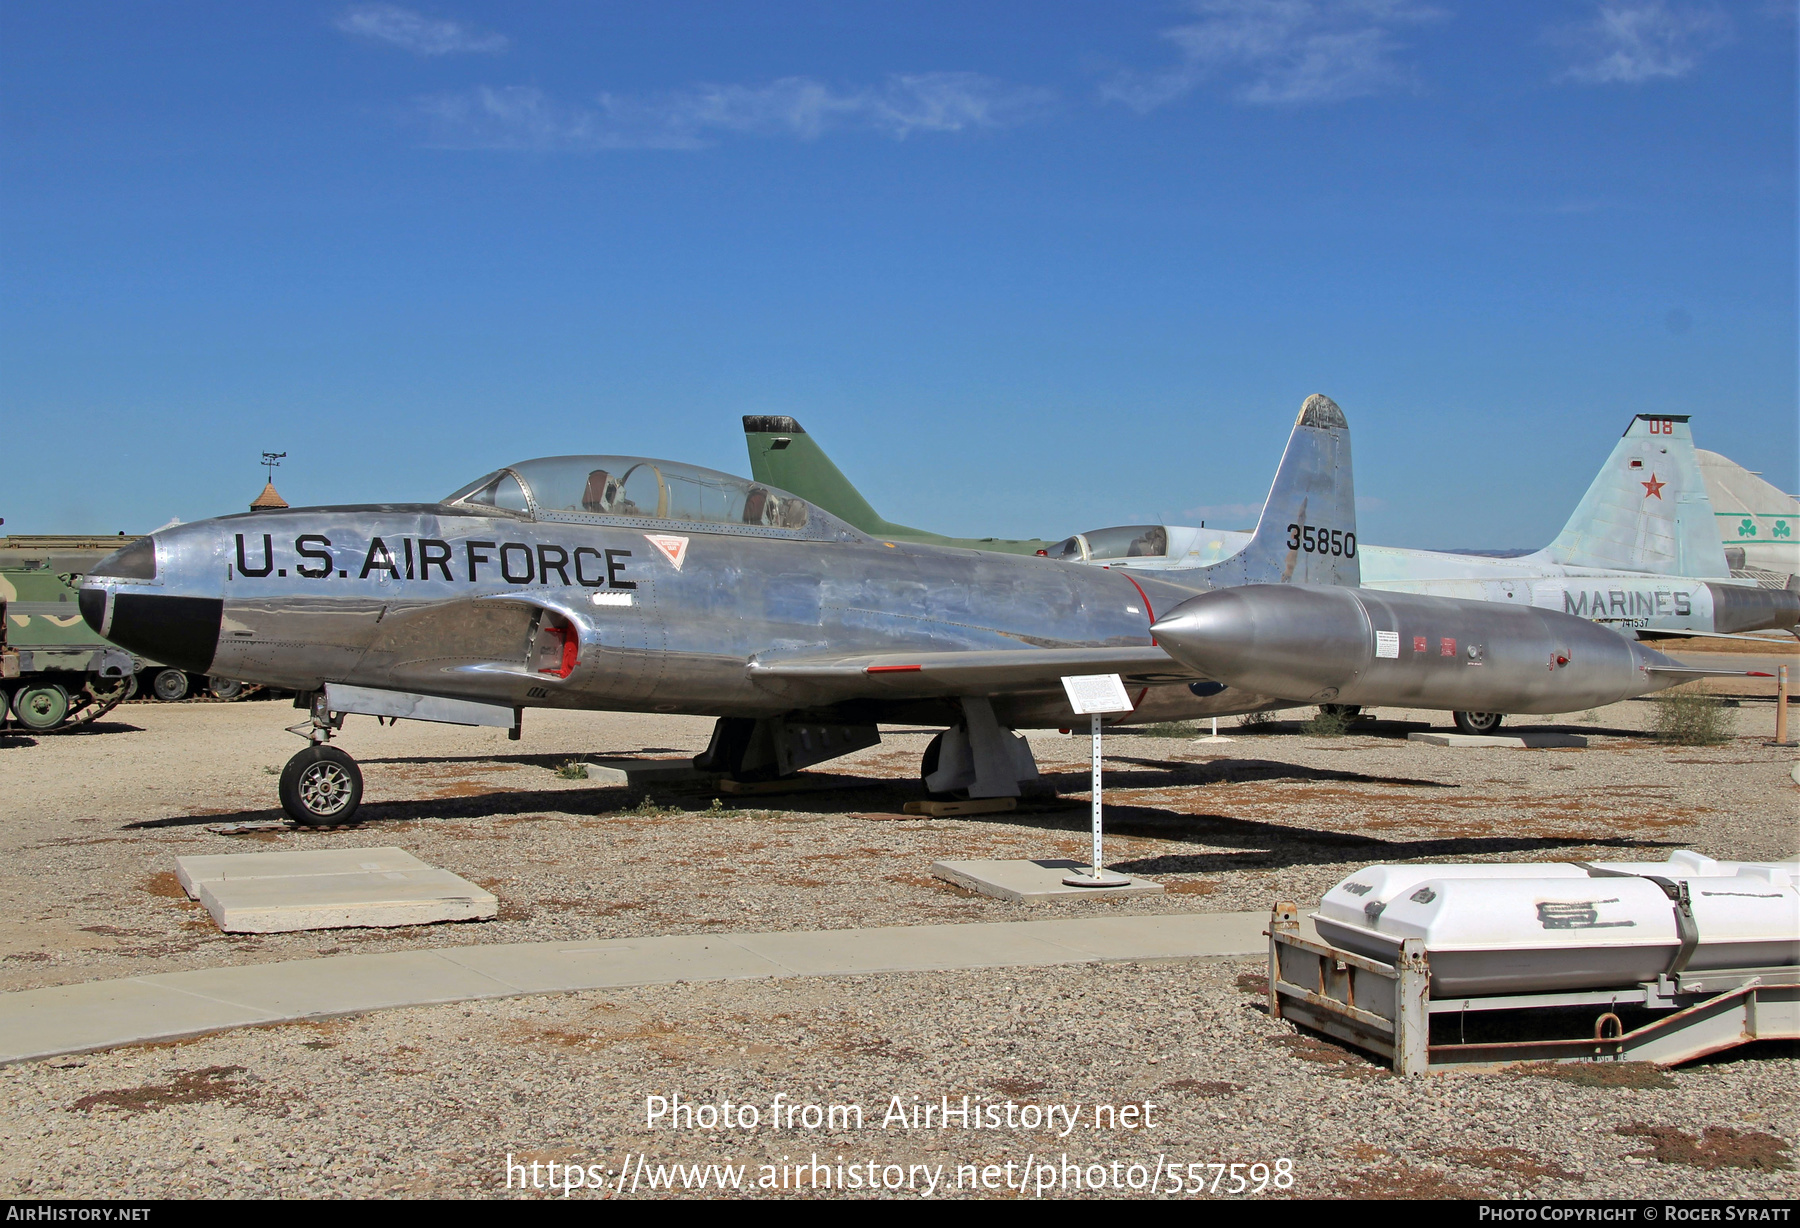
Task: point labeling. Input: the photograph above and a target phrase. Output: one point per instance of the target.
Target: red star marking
(1653, 487)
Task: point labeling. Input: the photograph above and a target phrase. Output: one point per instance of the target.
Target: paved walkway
(38, 1023)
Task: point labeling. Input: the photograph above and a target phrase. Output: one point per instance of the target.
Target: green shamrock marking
(1780, 530)
(1746, 527)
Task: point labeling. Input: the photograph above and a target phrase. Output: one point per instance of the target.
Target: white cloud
(522, 117)
(1281, 51)
(415, 32)
(1629, 41)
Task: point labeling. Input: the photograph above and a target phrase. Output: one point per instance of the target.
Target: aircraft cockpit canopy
(1134, 541)
(581, 487)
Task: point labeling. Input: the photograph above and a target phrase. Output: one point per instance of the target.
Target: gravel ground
(374, 1104)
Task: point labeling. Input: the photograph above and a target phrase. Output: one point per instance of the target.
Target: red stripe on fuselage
(1147, 608)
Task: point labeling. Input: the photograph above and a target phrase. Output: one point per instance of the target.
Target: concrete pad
(277, 893)
(376, 898)
(1532, 741)
(223, 867)
(645, 771)
(1028, 882)
(38, 1023)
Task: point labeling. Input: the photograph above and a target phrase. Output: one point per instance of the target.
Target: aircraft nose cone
(178, 631)
(93, 608)
(119, 601)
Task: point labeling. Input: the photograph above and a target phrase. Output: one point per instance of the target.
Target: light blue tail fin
(1307, 531)
(1647, 510)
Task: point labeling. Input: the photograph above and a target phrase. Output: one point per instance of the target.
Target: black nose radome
(93, 608)
(178, 631)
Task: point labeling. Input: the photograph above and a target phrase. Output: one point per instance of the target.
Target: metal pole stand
(1100, 876)
(1214, 736)
(1781, 713)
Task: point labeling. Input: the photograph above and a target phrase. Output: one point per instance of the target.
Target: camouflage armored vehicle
(55, 672)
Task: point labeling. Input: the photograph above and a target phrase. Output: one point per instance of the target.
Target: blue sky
(1022, 268)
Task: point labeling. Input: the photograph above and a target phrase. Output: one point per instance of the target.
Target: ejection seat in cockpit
(601, 492)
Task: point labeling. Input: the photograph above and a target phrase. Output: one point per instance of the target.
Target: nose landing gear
(321, 786)
(1478, 722)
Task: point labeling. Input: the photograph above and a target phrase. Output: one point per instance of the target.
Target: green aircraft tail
(783, 455)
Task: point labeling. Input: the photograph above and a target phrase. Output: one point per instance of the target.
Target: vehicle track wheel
(169, 685)
(41, 707)
(225, 688)
(110, 690)
(321, 787)
(1478, 722)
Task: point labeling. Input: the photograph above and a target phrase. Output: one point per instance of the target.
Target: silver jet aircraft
(625, 584)
(1639, 555)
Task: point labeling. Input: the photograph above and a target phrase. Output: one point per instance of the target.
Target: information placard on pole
(1095, 696)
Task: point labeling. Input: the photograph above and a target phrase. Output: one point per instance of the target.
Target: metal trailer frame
(1386, 1009)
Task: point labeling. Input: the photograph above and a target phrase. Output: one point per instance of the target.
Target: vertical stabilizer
(1647, 509)
(785, 456)
(1307, 531)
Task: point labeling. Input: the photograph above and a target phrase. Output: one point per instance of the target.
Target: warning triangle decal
(674, 548)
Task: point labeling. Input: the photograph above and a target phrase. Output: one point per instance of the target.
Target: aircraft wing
(984, 672)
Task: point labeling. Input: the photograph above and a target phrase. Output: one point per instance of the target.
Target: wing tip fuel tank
(1313, 644)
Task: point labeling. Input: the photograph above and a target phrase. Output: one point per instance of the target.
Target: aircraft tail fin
(1307, 531)
(1647, 509)
(783, 455)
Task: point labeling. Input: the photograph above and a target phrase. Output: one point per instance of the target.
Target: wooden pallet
(980, 805)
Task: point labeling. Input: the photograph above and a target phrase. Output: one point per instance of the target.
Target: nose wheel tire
(225, 688)
(1478, 722)
(169, 685)
(321, 787)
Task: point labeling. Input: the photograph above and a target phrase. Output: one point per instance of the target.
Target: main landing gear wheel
(1478, 722)
(225, 688)
(321, 787)
(169, 685)
(928, 765)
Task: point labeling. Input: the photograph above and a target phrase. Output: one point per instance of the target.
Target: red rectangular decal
(1418, 643)
(1446, 647)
